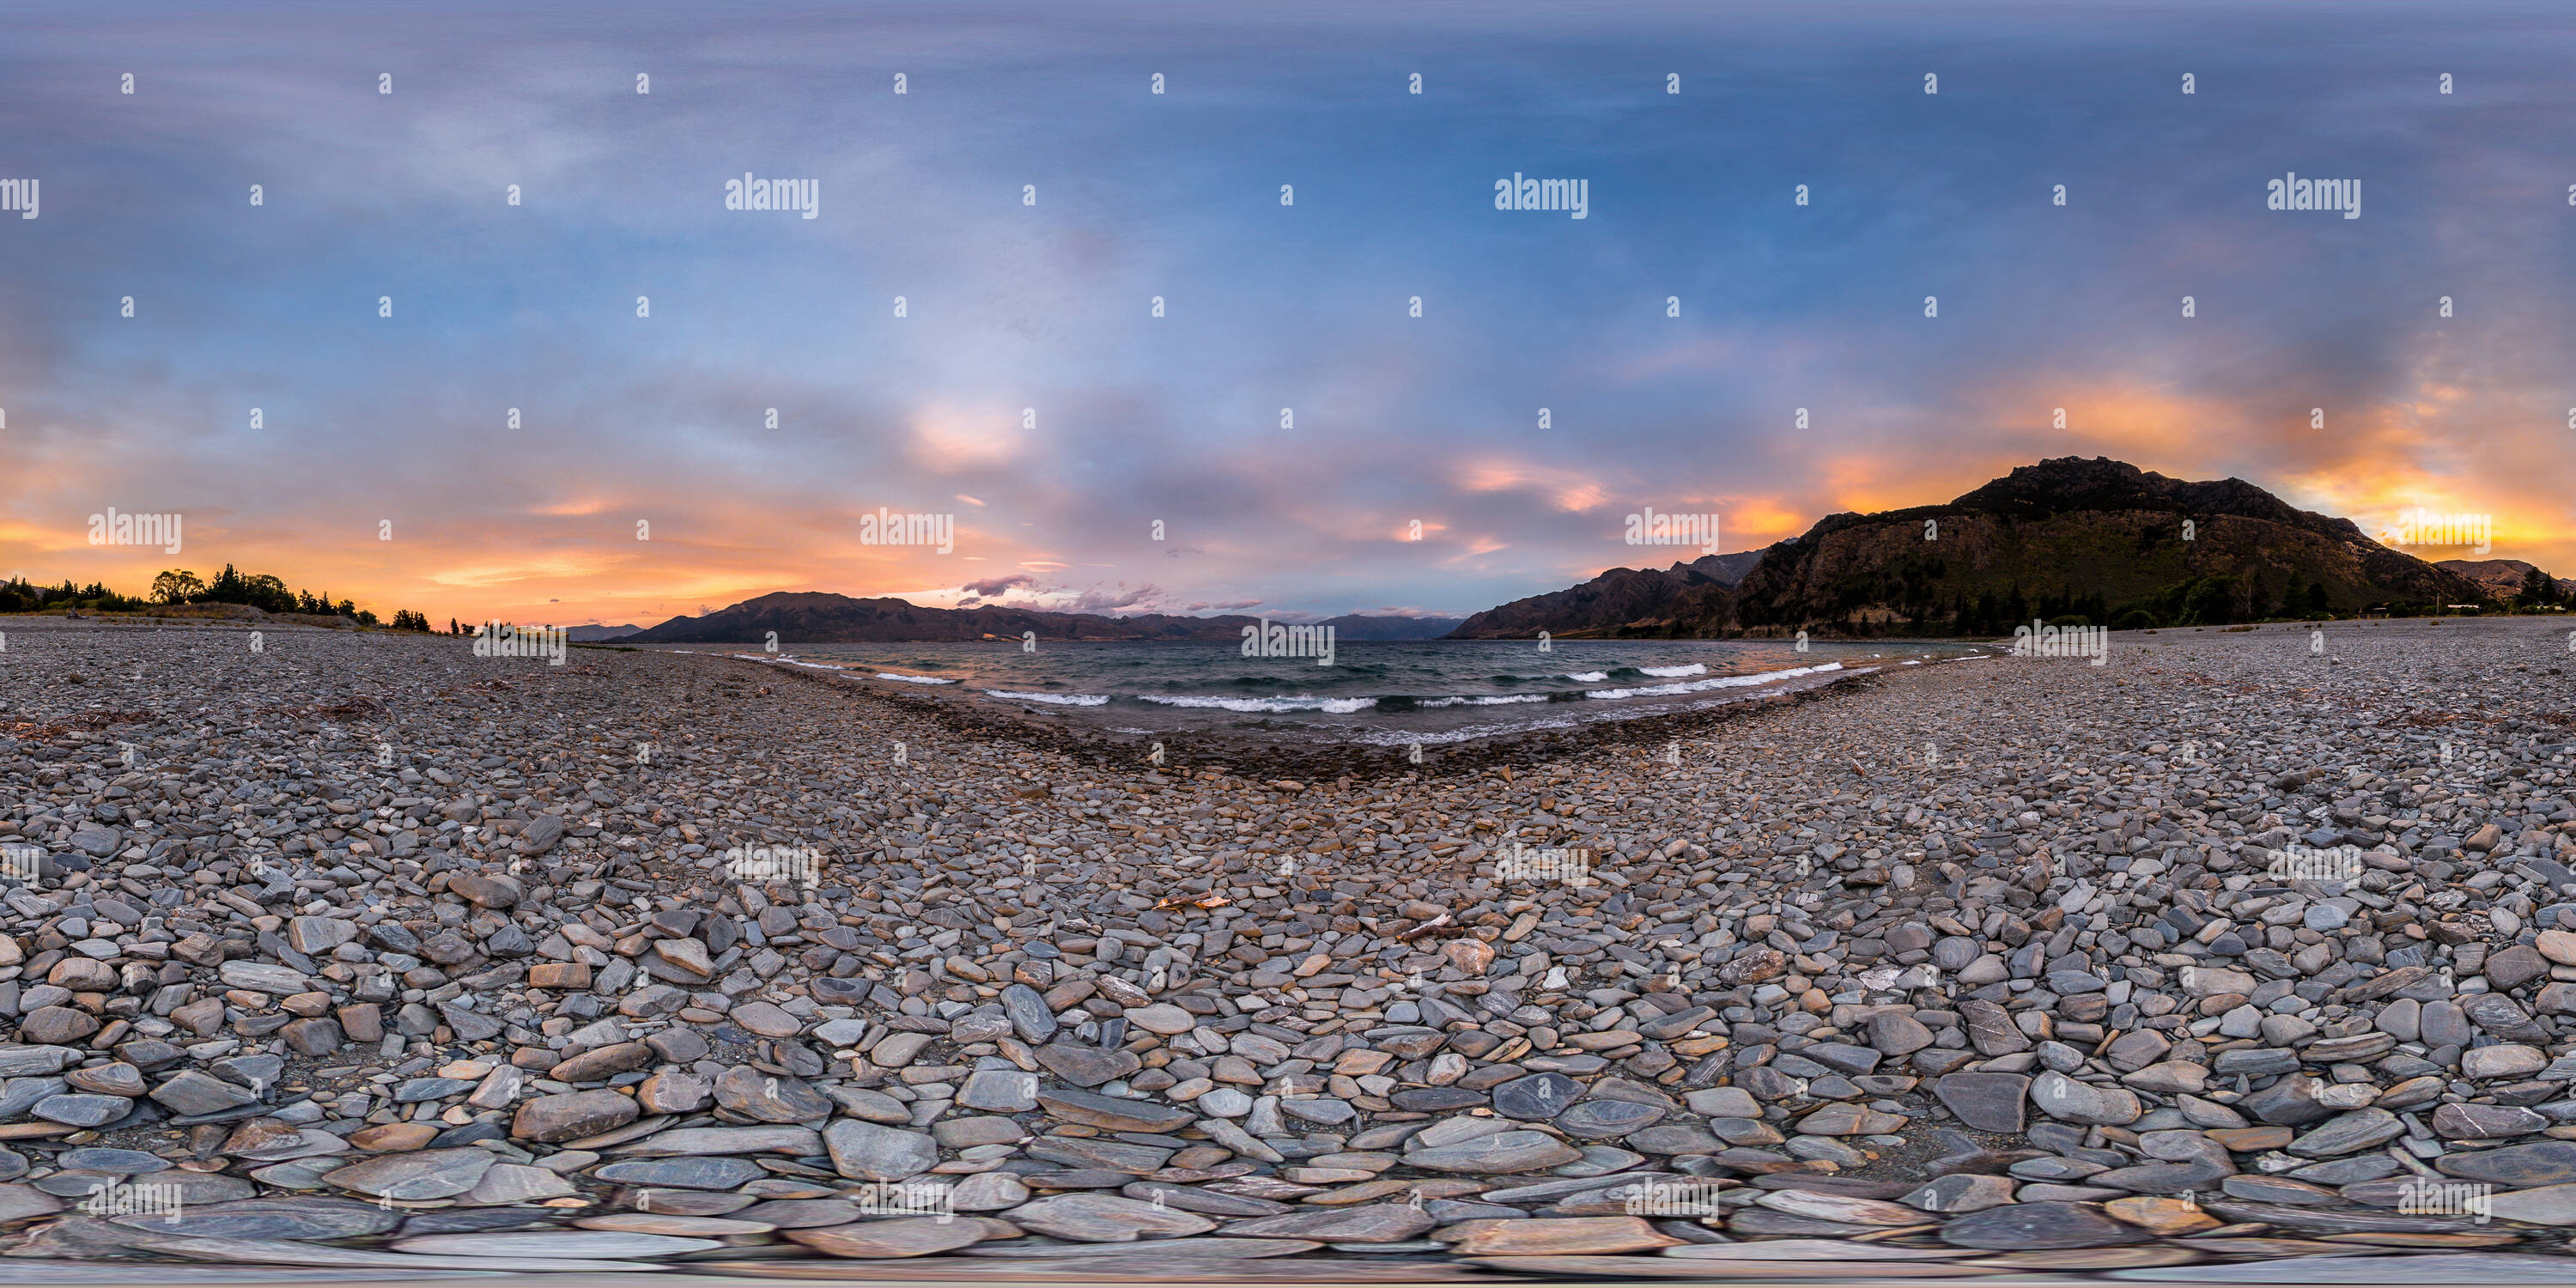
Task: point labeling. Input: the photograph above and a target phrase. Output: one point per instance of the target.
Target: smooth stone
(913, 1236)
(1536, 1098)
(2018, 1226)
(556, 1243)
(1510, 1151)
(873, 1152)
(1985, 1101)
(1598, 1119)
(682, 1173)
(1103, 1218)
(296, 1218)
(1369, 1223)
(801, 1142)
(1555, 1236)
(429, 1174)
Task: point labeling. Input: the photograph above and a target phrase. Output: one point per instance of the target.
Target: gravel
(2226, 953)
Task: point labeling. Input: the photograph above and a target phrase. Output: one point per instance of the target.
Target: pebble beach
(2237, 957)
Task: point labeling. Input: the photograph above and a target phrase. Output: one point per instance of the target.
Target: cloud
(998, 586)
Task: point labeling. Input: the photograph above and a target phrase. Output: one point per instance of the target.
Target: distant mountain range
(813, 617)
(2099, 540)
(594, 634)
(1634, 600)
(2501, 577)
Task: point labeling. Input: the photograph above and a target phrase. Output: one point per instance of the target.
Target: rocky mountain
(1356, 626)
(1624, 601)
(810, 617)
(2502, 577)
(814, 617)
(2098, 540)
(594, 634)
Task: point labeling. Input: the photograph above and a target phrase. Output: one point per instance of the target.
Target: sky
(1698, 343)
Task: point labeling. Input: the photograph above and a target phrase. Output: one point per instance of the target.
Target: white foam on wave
(1669, 671)
(1719, 682)
(913, 679)
(1497, 700)
(1301, 702)
(1587, 677)
(1052, 699)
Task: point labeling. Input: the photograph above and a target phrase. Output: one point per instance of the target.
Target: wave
(1053, 699)
(1587, 677)
(1667, 671)
(913, 679)
(1719, 682)
(1302, 702)
(1497, 700)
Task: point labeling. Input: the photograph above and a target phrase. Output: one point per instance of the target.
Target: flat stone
(295, 1218)
(911, 1236)
(1555, 1236)
(766, 1097)
(263, 977)
(682, 1173)
(2541, 1163)
(1085, 1066)
(1005, 1091)
(1027, 1010)
(1112, 1112)
(513, 1183)
(1985, 1101)
(2553, 1205)
(1163, 1018)
(555, 1243)
(193, 1092)
(2039, 1226)
(802, 1214)
(874, 1152)
(79, 1109)
(123, 1162)
(1961, 1192)
(572, 1115)
(686, 1227)
(1103, 1218)
(1367, 1223)
(1510, 1151)
(802, 1142)
(1601, 1119)
(1536, 1098)
(429, 1174)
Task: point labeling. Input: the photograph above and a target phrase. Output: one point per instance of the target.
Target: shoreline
(2039, 1002)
